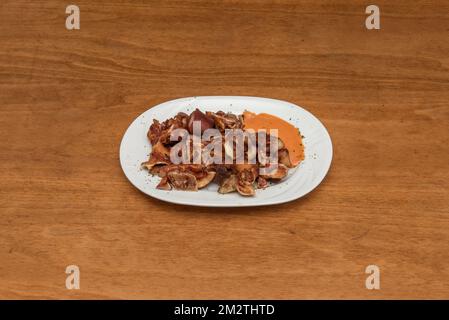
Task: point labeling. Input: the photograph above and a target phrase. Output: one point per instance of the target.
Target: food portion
(212, 151)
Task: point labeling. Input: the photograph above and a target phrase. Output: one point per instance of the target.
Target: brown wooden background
(67, 97)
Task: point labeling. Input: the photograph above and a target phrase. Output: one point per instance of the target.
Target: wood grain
(67, 97)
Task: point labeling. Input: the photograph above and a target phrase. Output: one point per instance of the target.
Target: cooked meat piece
(229, 184)
(154, 161)
(180, 121)
(263, 156)
(225, 120)
(156, 168)
(202, 175)
(284, 158)
(246, 189)
(182, 181)
(155, 132)
(246, 176)
(205, 180)
(163, 184)
(247, 172)
(223, 171)
(275, 173)
(165, 169)
(161, 150)
(160, 155)
(262, 183)
(206, 121)
(197, 170)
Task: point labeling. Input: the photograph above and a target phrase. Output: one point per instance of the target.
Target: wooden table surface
(67, 97)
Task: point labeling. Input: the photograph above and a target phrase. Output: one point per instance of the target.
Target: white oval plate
(135, 149)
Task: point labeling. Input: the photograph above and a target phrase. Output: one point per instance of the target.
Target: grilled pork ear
(247, 172)
(225, 120)
(160, 148)
(275, 173)
(284, 158)
(156, 169)
(160, 155)
(152, 163)
(163, 184)
(182, 181)
(261, 183)
(246, 189)
(177, 122)
(246, 176)
(228, 184)
(154, 132)
(206, 122)
(205, 180)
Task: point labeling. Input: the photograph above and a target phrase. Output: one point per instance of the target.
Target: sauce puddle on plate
(290, 136)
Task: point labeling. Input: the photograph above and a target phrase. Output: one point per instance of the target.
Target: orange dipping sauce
(290, 136)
